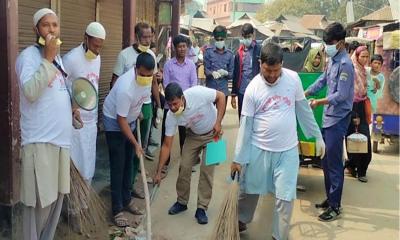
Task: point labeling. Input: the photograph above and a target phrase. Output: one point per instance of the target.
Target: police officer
(339, 77)
(218, 62)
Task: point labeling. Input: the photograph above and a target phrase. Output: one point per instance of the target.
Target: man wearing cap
(46, 127)
(84, 61)
(218, 62)
(127, 60)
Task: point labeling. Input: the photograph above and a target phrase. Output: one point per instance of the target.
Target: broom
(145, 186)
(227, 227)
(86, 205)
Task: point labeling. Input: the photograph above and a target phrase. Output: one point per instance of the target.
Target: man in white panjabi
(266, 148)
(84, 61)
(46, 127)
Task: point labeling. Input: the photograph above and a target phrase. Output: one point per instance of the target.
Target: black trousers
(182, 133)
(121, 156)
(360, 161)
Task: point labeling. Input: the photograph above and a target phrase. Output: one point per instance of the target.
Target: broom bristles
(227, 227)
(86, 204)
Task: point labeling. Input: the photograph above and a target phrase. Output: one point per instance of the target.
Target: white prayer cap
(41, 13)
(95, 29)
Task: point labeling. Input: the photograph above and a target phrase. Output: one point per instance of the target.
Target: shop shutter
(26, 9)
(145, 11)
(110, 15)
(75, 15)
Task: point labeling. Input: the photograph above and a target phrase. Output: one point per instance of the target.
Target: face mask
(180, 110)
(220, 44)
(247, 42)
(331, 50)
(42, 41)
(143, 48)
(89, 54)
(144, 81)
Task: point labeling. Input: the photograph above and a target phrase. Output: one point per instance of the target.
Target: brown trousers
(192, 147)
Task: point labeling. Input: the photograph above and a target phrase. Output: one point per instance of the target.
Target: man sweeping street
(126, 60)
(121, 109)
(84, 61)
(195, 110)
(46, 127)
(266, 148)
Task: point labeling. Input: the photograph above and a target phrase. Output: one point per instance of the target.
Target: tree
(333, 9)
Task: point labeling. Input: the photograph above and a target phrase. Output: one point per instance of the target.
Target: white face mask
(247, 42)
(220, 44)
(331, 50)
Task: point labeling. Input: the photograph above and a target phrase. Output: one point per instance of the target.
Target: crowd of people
(270, 99)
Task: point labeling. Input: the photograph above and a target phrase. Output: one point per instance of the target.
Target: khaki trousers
(192, 147)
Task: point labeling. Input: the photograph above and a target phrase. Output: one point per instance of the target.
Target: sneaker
(363, 179)
(177, 208)
(149, 155)
(323, 205)
(201, 216)
(242, 226)
(330, 214)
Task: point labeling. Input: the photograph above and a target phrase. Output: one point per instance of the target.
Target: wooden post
(129, 22)
(175, 18)
(9, 104)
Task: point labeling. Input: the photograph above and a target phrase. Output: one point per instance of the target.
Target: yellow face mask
(90, 55)
(42, 41)
(143, 48)
(144, 81)
(180, 110)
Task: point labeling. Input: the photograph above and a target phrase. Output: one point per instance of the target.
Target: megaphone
(84, 94)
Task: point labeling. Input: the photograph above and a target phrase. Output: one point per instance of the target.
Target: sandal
(120, 220)
(134, 210)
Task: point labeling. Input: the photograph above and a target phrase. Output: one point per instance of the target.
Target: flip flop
(134, 210)
(120, 220)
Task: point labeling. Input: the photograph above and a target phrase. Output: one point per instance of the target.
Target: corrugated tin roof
(383, 14)
(314, 21)
(206, 24)
(254, 22)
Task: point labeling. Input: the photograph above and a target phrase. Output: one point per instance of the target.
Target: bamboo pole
(145, 186)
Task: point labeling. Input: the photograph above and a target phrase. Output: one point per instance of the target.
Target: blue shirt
(247, 74)
(213, 61)
(339, 77)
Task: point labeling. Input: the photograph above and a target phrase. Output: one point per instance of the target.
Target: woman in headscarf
(361, 115)
(314, 61)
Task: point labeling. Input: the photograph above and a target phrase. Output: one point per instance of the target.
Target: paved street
(371, 210)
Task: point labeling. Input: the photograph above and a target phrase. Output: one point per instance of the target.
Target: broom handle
(145, 186)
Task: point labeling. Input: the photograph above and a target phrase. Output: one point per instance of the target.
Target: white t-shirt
(273, 109)
(49, 118)
(76, 65)
(127, 60)
(126, 98)
(199, 115)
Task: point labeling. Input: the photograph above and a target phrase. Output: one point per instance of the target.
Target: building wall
(227, 11)
(220, 10)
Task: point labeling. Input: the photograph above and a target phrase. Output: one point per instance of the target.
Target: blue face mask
(331, 50)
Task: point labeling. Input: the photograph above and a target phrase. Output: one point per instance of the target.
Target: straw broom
(86, 205)
(227, 227)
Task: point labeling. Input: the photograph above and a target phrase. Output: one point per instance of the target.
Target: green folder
(216, 152)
